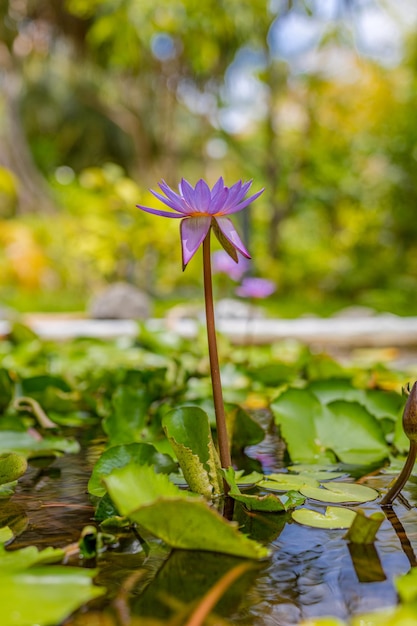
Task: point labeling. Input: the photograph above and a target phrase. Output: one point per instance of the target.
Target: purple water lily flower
(200, 208)
(255, 288)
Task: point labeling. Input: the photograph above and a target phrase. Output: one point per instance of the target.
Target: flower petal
(187, 192)
(229, 231)
(193, 231)
(148, 209)
(238, 207)
(176, 199)
(172, 204)
(202, 196)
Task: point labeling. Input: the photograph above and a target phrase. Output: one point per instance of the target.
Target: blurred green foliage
(106, 98)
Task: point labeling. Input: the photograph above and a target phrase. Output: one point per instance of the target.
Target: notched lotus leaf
(335, 517)
(340, 492)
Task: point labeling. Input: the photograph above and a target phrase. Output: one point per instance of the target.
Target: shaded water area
(311, 572)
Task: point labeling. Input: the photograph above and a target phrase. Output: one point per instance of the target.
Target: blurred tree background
(313, 99)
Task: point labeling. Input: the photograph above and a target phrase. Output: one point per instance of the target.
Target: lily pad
(335, 517)
(286, 482)
(23, 442)
(340, 492)
(269, 503)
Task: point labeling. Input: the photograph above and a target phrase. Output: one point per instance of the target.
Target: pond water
(311, 572)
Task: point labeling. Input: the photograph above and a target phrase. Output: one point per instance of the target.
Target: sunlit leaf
(188, 430)
(364, 529)
(118, 456)
(339, 492)
(44, 596)
(266, 503)
(180, 520)
(6, 534)
(334, 517)
(285, 482)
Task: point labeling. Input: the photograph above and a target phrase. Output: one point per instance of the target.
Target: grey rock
(121, 301)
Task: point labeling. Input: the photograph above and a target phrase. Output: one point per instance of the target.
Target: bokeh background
(314, 100)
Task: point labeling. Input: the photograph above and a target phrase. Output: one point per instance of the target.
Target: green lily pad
(269, 503)
(334, 517)
(339, 492)
(180, 519)
(23, 442)
(286, 482)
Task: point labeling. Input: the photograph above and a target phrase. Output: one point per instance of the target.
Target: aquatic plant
(202, 209)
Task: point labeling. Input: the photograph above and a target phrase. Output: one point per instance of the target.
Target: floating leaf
(178, 518)
(119, 456)
(364, 529)
(340, 492)
(188, 430)
(23, 442)
(334, 517)
(285, 482)
(268, 503)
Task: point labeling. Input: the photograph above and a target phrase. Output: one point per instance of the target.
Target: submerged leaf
(334, 517)
(178, 518)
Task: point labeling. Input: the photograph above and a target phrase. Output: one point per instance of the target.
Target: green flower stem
(222, 438)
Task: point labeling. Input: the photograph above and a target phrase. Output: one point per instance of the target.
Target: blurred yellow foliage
(22, 259)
